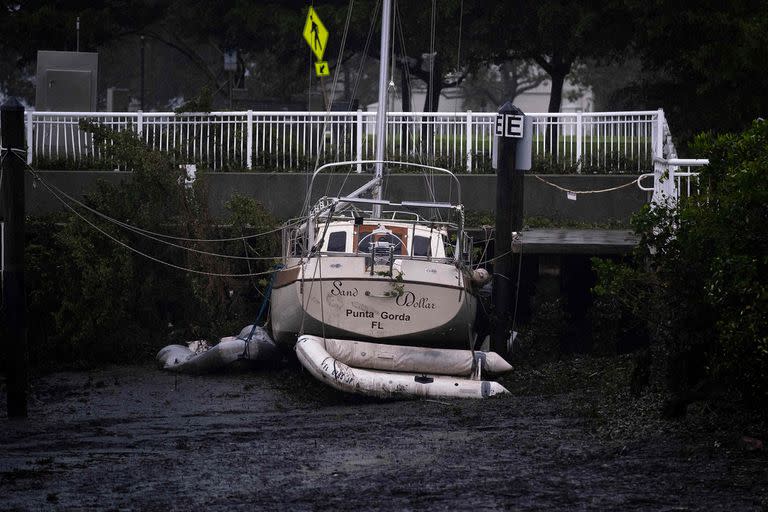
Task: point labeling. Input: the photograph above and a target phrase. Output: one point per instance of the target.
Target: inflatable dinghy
(419, 381)
(252, 344)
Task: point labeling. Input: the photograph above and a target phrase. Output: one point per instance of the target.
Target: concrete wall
(283, 193)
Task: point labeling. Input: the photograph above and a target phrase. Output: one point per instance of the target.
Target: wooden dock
(575, 241)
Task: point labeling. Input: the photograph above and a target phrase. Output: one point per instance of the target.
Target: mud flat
(135, 438)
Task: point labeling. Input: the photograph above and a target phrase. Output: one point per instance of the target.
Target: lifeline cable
(487, 244)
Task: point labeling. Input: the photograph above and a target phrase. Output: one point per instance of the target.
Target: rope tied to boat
(264, 303)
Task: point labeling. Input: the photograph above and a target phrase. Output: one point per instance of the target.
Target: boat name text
(340, 291)
(410, 300)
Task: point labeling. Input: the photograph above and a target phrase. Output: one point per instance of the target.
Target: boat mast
(381, 111)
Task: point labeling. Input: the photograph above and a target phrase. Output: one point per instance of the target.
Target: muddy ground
(136, 438)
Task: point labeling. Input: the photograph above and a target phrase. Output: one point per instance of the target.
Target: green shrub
(94, 300)
(703, 291)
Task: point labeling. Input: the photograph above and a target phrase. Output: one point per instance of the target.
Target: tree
(31, 25)
(703, 62)
(198, 33)
(499, 83)
(97, 301)
(556, 34)
(429, 55)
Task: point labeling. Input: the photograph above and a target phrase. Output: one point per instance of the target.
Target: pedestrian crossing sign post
(321, 68)
(315, 34)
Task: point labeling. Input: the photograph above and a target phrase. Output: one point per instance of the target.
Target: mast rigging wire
(127, 246)
(329, 106)
(145, 233)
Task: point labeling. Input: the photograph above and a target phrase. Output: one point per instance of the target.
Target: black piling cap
(510, 108)
(12, 104)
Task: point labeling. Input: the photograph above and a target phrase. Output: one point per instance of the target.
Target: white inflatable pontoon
(313, 355)
(377, 356)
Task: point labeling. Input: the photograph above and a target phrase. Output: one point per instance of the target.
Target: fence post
(469, 141)
(139, 122)
(29, 136)
(658, 143)
(359, 148)
(579, 138)
(249, 141)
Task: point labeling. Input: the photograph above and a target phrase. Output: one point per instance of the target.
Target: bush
(703, 290)
(94, 300)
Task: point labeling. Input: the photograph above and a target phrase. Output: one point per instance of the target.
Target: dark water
(134, 438)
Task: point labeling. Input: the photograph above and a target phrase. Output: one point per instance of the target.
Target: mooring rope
(569, 191)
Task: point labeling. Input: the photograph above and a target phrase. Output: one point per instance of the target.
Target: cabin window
(337, 241)
(422, 246)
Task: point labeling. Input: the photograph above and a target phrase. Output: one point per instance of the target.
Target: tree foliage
(703, 63)
(556, 34)
(705, 291)
(493, 85)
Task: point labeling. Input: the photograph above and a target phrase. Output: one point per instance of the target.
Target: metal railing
(296, 141)
(673, 179)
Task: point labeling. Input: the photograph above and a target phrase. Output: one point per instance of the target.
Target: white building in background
(575, 99)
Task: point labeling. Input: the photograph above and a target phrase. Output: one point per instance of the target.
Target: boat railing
(397, 257)
(387, 216)
(376, 181)
(407, 216)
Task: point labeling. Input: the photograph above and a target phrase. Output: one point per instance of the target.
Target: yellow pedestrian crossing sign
(315, 33)
(321, 68)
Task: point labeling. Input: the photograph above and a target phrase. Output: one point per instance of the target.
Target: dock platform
(576, 241)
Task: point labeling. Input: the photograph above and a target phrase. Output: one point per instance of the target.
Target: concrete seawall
(283, 193)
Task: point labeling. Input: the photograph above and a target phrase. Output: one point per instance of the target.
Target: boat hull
(437, 314)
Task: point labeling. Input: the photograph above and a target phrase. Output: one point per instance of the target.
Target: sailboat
(375, 298)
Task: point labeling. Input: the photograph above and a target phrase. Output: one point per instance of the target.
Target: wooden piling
(12, 215)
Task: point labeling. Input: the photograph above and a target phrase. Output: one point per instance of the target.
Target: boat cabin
(406, 239)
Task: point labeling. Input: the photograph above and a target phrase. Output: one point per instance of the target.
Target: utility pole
(12, 211)
(510, 159)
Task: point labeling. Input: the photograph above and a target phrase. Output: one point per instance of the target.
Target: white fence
(296, 141)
